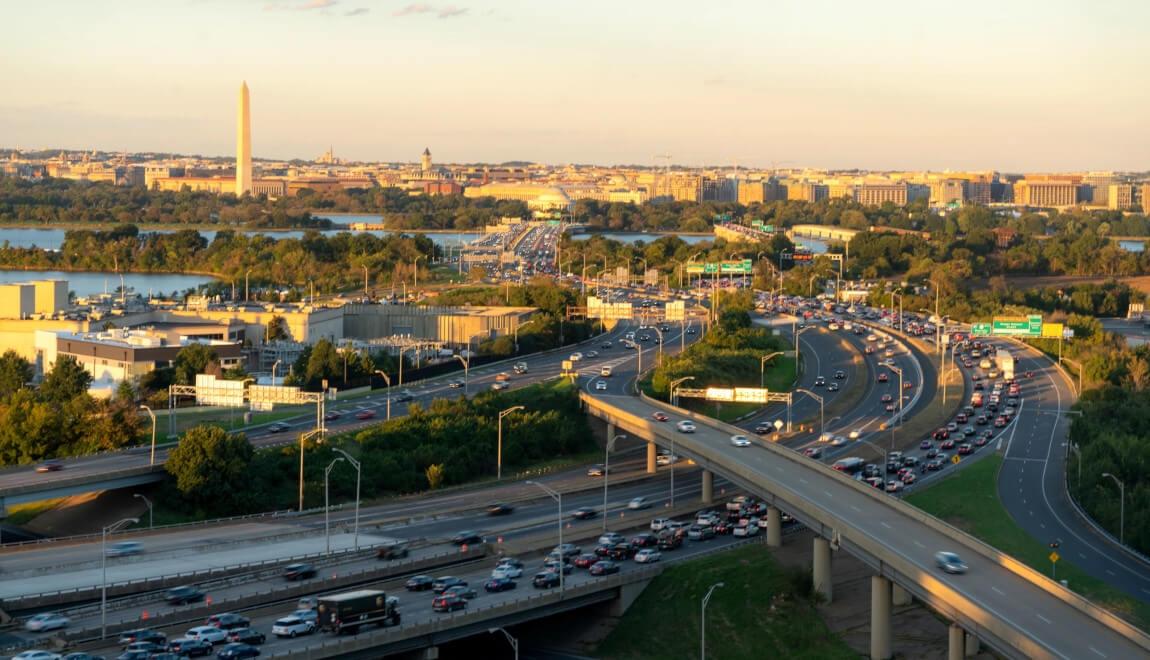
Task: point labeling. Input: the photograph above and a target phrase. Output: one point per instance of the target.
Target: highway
(991, 600)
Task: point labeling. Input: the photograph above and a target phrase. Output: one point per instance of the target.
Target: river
(85, 283)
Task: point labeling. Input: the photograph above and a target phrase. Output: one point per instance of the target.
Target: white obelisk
(243, 144)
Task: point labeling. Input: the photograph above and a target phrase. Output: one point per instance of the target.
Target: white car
(685, 426)
(37, 655)
(659, 524)
(46, 621)
(210, 634)
(638, 503)
(856, 434)
(575, 357)
(648, 556)
(750, 529)
(666, 459)
(601, 386)
(592, 354)
(838, 441)
(499, 385)
(507, 571)
(291, 626)
(740, 441)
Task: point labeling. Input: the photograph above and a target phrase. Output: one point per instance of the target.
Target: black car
(298, 572)
(585, 512)
(604, 567)
(238, 650)
(83, 656)
(404, 397)
(464, 538)
(444, 583)
(190, 647)
(545, 580)
(246, 636)
(621, 551)
(500, 509)
(645, 541)
(228, 621)
(392, 551)
(499, 584)
(278, 427)
(419, 583)
(143, 635)
(763, 428)
(183, 595)
(134, 655)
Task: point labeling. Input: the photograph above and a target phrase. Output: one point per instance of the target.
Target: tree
(211, 468)
(65, 381)
(434, 474)
(277, 329)
(195, 358)
(15, 371)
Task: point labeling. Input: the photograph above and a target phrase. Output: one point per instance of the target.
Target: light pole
(386, 379)
(358, 478)
(149, 504)
(151, 414)
(763, 364)
(558, 497)
(1121, 507)
(818, 398)
(499, 448)
(1078, 366)
(1078, 459)
(415, 267)
(326, 506)
(104, 572)
(302, 441)
(796, 331)
(894, 295)
(516, 331)
(510, 640)
(811, 285)
(639, 366)
(249, 272)
(675, 383)
(898, 370)
(607, 448)
(466, 368)
(659, 334)
(276, 364)
(703, 621)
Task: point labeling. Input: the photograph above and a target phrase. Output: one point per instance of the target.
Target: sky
(1021, 85)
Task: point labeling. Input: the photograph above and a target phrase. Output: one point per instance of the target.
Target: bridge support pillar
(821, 569)
(429, 653)
(708, 488)
(774, 527)
(879, 618)
(972, 647)
(900, 596)
(651, 447)
(957, 646)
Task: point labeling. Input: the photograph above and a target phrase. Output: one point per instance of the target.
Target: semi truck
(346, 612)
(1006, 363)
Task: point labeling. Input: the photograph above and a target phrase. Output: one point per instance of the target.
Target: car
(365, 414)
(960, 418)
(644, 540)
(331, 415)
(839, 441)
(685, 426)
(210, 634)
(637, 503)
(291, 626)
(813, 452)
(507, 571)
(545, 580)
(925, 444)
(142, 635)
(246, 636)
(603, 567)
(466, 537)
(510, 561)
(981, 441)
(700, 532)
(190, 647)
(50, 466)
(445, 582)
(419, 583)
(744, 530)
(621, 551)
(150, 648)
(597, 470)
(894, 486)
(610, 538)
(124, 549)
(497, 584)
(553, 565)
(46, 621)
(820, 381)
(455, 384)
(298, 571)
(37, 655)
(393, 551)
(907, 478)
(567, 550)
(659, 416)
(833, 387)
(934, 466)
(940, 434)
(136, 654)
(228, 621)
(886, 398)
(584, 513)
(183, 595)
(82, 656)
(601, 386)
(278, 427)
(585, 560)
(405, 396)
(499, 385)
(949, 562)
(605, 344)
(575, 357)
(967, 431)
(448, 603)
(932, 453)
(965, 449)
(947, 444)
(840, 374)
(463, 591)
(238, 650)
(666, 459)
(740, 441)
(592, 354)
(856, 434)
(500, 509)
(882, 377)
(659, 524)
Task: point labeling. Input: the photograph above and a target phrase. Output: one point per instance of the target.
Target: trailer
(346, 612)
(1006, 362)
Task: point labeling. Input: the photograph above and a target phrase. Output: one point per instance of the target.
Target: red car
(365, 414)
(585, 560)
(882, 378)
(659, 416)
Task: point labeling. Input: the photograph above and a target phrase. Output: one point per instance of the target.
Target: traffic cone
(144, 616)
(463, 548)
(207, 600)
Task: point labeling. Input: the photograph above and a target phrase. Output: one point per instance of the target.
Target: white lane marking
(998, 591)
(828, 494)
(1110, 572)
(1096, 651)
(885, 525)
(920, 545)
(856, 509)
(1043, 618)
(802, 481)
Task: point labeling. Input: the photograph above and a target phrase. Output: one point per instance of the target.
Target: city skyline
(822, 86)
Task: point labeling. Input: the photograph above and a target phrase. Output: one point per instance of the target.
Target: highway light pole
(104, 572)
(558, 497)
(466, 368)
(358, 477)
(149, 505)
(1121, 507)
(151, 414)
(302, 441)
(763, 364)
(499, 446)
(387, 380)
(607, 449)
(674, 384)
(326, 505)
(510, 640)
(898, 371)
(818, 398)
(703, 621)
(274, 365)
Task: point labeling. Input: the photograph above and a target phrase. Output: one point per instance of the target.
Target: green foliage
(15, 372)
(195, 358)
(434, 474)
(65, 381)
(277, 329)
(212, 469)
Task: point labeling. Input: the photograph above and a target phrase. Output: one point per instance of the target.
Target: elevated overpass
(1000, 601)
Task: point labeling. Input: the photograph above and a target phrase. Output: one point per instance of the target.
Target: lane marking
(920, 545)
(828, 494)
(802, 481)
(885, 525)
(856, 509)
(998, 591)
(1096, 651)
(1043, 618)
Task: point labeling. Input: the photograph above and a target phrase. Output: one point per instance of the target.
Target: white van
(605, 372)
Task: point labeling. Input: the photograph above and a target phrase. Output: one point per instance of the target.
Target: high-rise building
(1146, 197)
(947, 191)
(243, 144)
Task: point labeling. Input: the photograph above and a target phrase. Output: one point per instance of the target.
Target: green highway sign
(980, 329)
(1030, 326)
(735, 267)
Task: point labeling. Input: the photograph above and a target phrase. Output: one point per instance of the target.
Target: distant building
(1045, 194)
(877, 194)
(17, 300)
(1146, 198)
(947, 192)
(1121, 197)
(537, 197)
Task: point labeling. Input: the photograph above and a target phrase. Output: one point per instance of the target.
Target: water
(1133, 246)
(93, 283)
(635, 237)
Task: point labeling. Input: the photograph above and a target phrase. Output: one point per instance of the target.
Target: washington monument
(243, 144)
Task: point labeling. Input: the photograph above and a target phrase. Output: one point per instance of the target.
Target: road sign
(956, 459)
(980, 329)
(1027, 326)
(1052, 330)
(1054, 557)
(778, 425)
(735, 267)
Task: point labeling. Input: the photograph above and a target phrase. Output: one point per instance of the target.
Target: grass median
(968, 499)
(764, 610)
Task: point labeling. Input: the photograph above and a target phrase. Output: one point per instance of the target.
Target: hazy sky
(1010, 85)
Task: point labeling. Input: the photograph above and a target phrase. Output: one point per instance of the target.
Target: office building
(17, 300)
(1120, 197)
(877, 194)
(1045, 193)
(947, 191)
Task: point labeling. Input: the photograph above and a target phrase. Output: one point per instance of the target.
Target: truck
(850, 464)
(1006, 363)
(346, 612)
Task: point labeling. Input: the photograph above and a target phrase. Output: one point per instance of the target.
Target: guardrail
(973, 615)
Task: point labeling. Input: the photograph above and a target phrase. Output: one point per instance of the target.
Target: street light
(1121, 507)
(149, 504)
(387, 379)
(516, 331)
(510, 640)
(415, 267)
(818, 398)
(104, 572)
(302, 441)
(558, 497)
(675, 383)
(894, 295)
(153, 416)
(466, 368)
(499, 449)
(358, 477)
(703, 621)
(276, 364)
(763, 365)
(607, 447)
(898, 370)
(326, 506)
